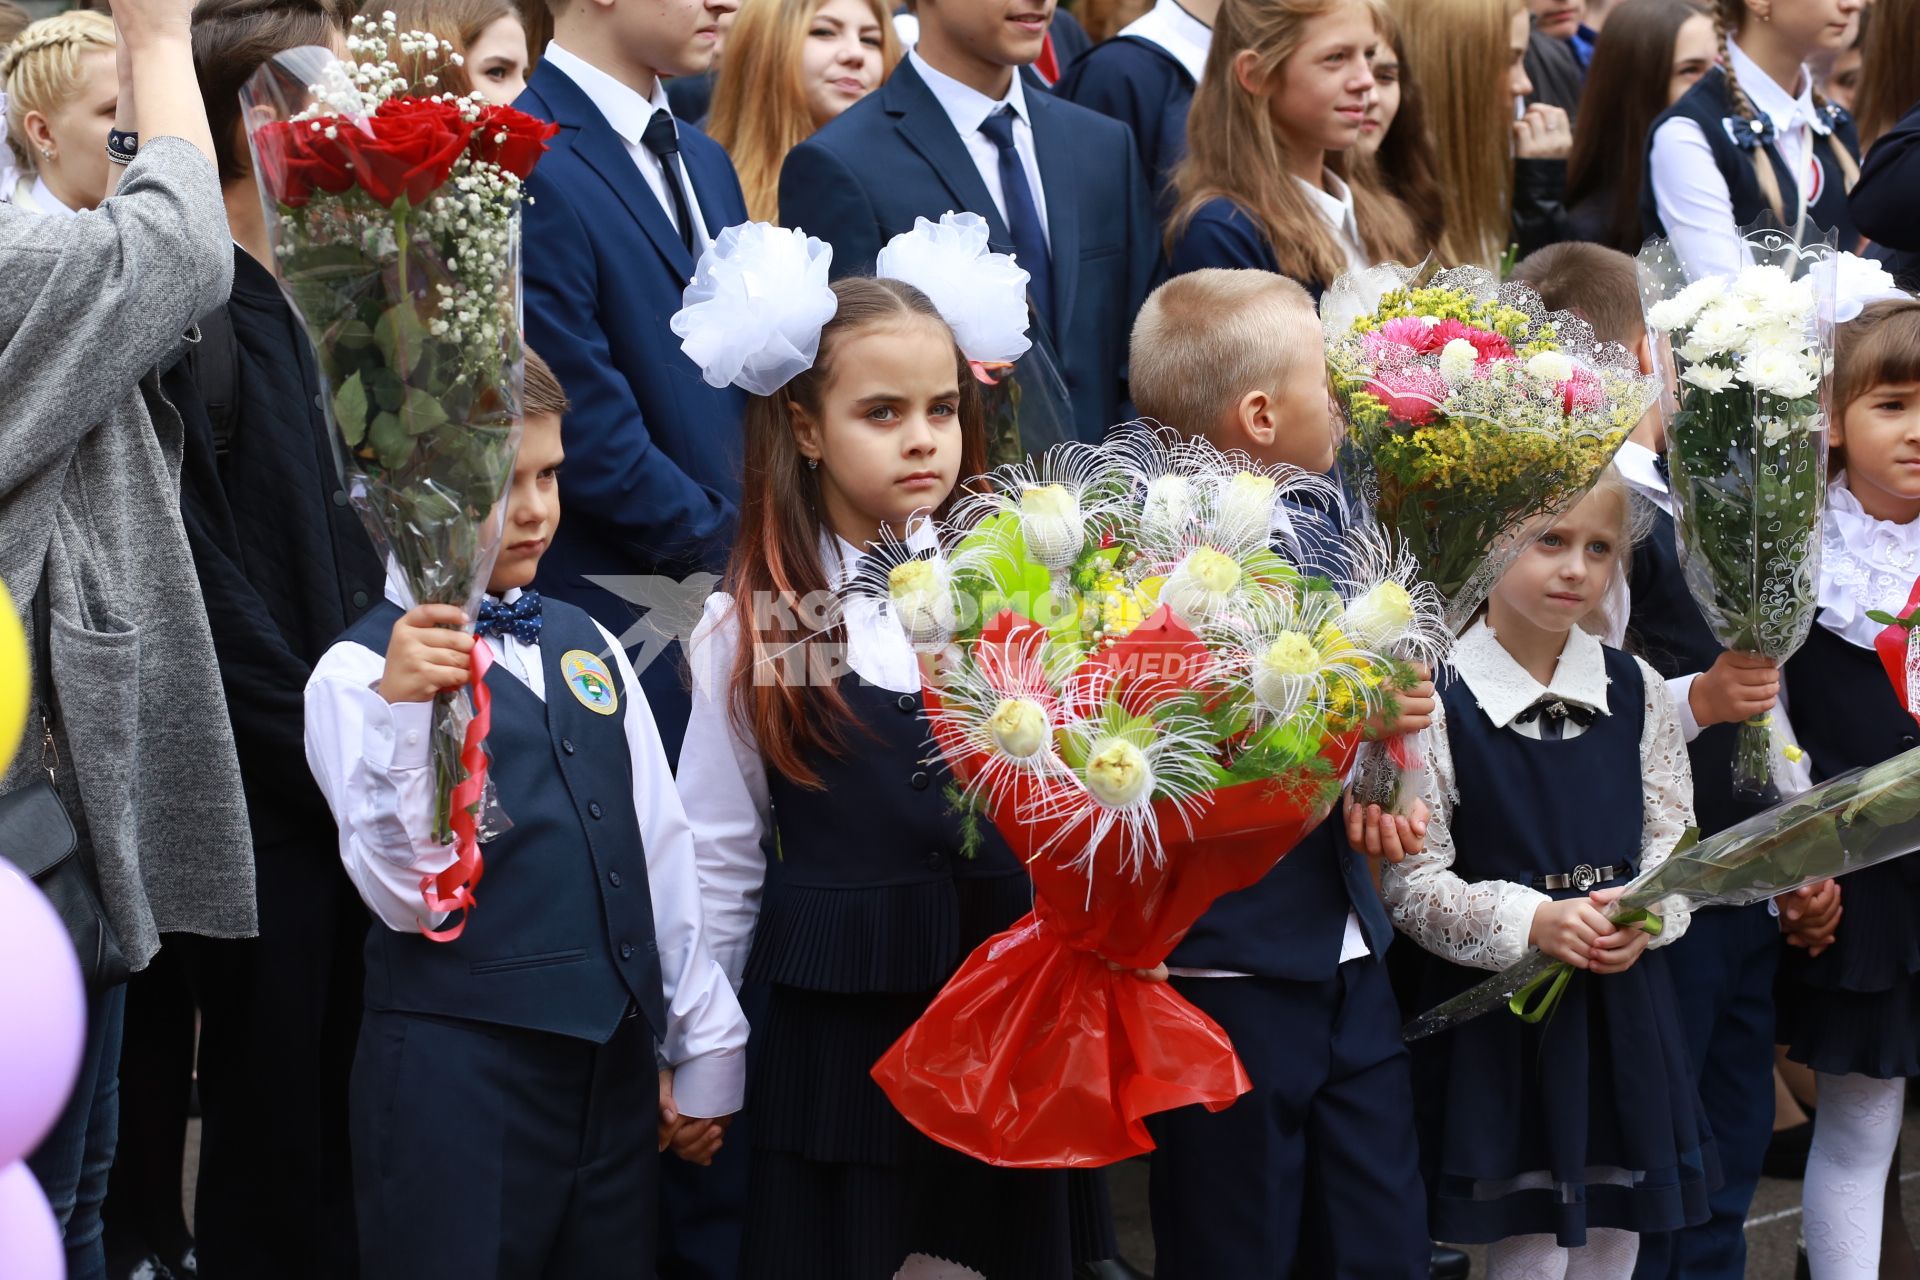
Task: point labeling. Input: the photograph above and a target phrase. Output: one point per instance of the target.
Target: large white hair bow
(753, 313)
(981, 295)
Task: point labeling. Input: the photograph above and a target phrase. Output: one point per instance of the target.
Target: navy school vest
(1709, 104)
(871, 888)
(561, 937)
(1668, 631)
(1530, 808)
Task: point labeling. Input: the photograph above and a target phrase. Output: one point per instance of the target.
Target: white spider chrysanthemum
(1002, 710)
(1059, 501)
(1391, 609)
(1294, 655)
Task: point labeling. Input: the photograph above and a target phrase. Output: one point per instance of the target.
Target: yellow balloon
(15, 676)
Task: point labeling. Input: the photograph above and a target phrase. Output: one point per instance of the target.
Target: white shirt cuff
(397, 736)
(712, 1085)
(1680, 689)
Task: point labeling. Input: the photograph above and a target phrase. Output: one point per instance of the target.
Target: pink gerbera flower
(1411, 395)
(1489, 345)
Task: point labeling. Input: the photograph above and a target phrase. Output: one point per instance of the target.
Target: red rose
(511, 139)
(407, 148)
(296, 159)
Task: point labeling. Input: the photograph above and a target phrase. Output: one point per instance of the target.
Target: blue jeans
(73, 1160)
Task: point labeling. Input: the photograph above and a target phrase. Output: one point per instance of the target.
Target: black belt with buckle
(1582, 877)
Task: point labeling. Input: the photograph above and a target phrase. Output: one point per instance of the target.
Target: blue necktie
(521, 619)
(1023, 215)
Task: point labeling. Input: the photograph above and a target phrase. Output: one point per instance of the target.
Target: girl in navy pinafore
(835, 871)
(1852, 1013)
(1559, 1142)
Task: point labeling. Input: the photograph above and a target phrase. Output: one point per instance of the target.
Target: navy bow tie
(1555, 712)
(1660, 465)
(521, 619)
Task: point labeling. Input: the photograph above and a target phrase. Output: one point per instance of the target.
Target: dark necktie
(663, 140)
(1660, 465)
(521, 619)
(1023, 214)
(1553, 715)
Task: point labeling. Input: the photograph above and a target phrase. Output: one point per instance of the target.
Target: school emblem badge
(590, 681)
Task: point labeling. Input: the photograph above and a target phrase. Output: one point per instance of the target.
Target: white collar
(398, 594)
(966, 106)
(1865, 564)
(1773, 101)
(1639, 466)
(621, 104)
(1170, 27)
(1334, 204)
(1504, 689)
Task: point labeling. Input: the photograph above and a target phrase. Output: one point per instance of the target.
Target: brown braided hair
(1727, 17)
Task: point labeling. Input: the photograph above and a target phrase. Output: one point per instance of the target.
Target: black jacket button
(907, 703)
(339, 497)
(594, 810)
(566, 745)
(919, 781)
(936, 860)
(626, 951)
(360, 599)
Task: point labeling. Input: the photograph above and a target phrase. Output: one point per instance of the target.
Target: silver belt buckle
(1584, 877)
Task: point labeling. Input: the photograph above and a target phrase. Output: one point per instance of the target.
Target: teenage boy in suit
(621, 208)
(957, 128)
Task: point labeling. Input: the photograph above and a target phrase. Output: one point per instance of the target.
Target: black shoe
(1109, 1269)
(1449, 1264)
(1787, 1152)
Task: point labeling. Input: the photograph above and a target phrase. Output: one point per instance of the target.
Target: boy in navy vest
(506, 1114)
(1729, 955)
(1317, 1165)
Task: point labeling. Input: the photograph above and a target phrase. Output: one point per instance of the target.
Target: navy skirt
(1855, 1008)
(1588, 1119)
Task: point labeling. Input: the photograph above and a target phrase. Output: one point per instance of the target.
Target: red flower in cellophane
(1898, 645)
(1153, 707)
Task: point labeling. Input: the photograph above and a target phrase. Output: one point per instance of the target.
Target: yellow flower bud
(1117, 774)
(1291, 654)
(1380, 617)
(1018, 727)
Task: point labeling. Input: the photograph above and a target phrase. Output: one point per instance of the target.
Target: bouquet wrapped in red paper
(1152, 702)
(394, 215)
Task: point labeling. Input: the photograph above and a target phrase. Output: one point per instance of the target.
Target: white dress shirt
(1484, 924)
(1334, 204)
(371, 759)
(1172, 28)
(1691, 192)
(629, 114)
(968, 109)
(31, 192)
(723, 777)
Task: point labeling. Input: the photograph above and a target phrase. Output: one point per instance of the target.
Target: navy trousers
(1323, 1145)
(1723, 983)
(492, 1153)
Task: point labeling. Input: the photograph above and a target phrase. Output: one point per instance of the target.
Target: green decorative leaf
(401, 337)
(389, 440)
(421, 413)
(350, 411)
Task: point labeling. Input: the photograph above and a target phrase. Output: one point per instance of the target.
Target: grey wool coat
(90, 308)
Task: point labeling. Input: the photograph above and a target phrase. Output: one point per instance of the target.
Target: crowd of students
(722, 895)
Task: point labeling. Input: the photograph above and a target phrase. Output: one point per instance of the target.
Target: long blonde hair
(1235, 151)
(760, 107)
(1460, 53)
(42, 68)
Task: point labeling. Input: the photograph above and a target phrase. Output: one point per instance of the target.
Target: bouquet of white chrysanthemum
(1747, 447)
(1144, 683)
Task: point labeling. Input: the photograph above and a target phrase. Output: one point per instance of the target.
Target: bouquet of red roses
(394, 215)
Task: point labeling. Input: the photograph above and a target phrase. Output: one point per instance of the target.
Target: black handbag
(37, 836)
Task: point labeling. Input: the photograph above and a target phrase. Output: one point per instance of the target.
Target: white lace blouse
(1484, 924)
(1864, 564)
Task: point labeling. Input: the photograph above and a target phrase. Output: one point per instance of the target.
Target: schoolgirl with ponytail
(1754, 139)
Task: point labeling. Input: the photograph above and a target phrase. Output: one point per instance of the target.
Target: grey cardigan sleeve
(92, 302)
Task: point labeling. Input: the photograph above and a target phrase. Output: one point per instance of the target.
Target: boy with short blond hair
(1292, 967)
(506, 1116)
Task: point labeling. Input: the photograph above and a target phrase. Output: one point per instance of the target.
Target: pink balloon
(30, 1247)
(43, 1015)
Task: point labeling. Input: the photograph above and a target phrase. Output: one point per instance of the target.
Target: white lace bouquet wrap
(753, 313)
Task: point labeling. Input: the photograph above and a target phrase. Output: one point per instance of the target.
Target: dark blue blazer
(652, 478)
(1144, 87)
(894, 156)
(1884, 199)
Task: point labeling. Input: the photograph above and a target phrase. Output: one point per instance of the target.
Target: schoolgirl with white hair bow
(805, 726)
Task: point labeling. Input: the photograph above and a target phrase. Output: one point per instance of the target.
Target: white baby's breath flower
(1711, 378)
